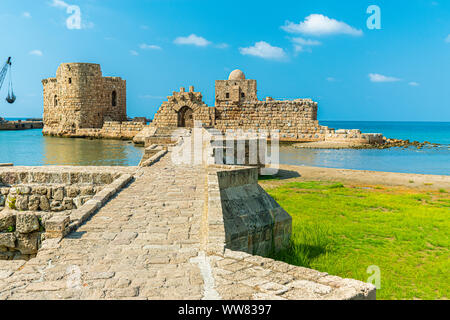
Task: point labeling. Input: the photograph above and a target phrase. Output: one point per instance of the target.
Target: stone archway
(185, 117)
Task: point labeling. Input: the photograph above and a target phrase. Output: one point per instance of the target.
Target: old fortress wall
(237, 108)
(80, 102)
(80, 97)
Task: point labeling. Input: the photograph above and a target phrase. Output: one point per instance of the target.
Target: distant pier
(21, 124)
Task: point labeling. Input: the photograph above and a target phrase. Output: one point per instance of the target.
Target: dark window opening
(243, 95)
(114, 99)
(55, 101)
(70, 80)
(227, 95)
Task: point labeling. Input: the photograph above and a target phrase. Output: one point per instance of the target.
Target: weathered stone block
(58, 193)
(72, 191)
(44, 204)
(28, 243)
(87, 191)
(22, 203)
(7, 240)
(33, 203)
(56, 227)
(26, 222)
(7, 220)
(56, 206)
(40, 190)
(23, 190)
(67, 204)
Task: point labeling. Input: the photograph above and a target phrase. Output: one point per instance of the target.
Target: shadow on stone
(281, 175)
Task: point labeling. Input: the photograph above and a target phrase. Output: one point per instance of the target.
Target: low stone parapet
(110, 130)
(36, 205)
(241, 215)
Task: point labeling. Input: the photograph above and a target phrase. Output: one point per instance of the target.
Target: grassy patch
(344, 230)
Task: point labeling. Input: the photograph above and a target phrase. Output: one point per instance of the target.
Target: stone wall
(354, 136)
(238, 108)
(20, 125)
(80, 97)
(185, 107)
(296, 120)
(112, 130)
(235, 91)
(242, 216)
(38, 205)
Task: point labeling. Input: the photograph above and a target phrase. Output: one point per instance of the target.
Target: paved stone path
(147, 243)
(137, 246)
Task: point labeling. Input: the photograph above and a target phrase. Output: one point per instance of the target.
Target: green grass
(344, 230)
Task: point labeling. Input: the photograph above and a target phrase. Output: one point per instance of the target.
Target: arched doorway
(186, 117)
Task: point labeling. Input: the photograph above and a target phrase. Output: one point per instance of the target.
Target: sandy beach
(361, 177)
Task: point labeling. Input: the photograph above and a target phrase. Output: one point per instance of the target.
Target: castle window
(227, 95)
(70, 80)
(114, 98)
(243, 95)
(55, 101)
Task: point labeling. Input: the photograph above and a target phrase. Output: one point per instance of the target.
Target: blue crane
(11, 98)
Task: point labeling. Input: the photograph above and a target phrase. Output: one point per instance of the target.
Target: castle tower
(80, 97)
(236, 89)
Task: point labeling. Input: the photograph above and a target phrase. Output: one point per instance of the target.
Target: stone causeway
(160, 231)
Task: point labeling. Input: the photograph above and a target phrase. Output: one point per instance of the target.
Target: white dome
(236, 75)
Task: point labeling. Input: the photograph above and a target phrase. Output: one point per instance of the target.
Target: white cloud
(375, 77)
(263, 50)
(192, 40)
(331, 79)
(134, 53)
(320, 25)
(36, 53)
(26, 15)
(222, 46)
(300, 43)
(59, 4)
(145, 46)
(447, 39)
(414, 84)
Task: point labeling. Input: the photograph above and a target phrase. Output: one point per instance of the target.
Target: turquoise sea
(429, 160)
(32, 149)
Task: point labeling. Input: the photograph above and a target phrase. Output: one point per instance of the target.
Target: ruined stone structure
(81, 98)
(80, 102)
(237, 108)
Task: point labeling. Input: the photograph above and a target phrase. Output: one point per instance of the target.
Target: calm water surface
(429, 160)
(30, 148)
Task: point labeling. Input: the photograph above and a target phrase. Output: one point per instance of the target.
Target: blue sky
(295, 49)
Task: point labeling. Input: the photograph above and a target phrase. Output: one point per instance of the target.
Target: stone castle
(80, 97)
(79, 102)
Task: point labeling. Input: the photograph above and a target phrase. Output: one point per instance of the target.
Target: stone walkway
(146, 243)
(137, 246)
